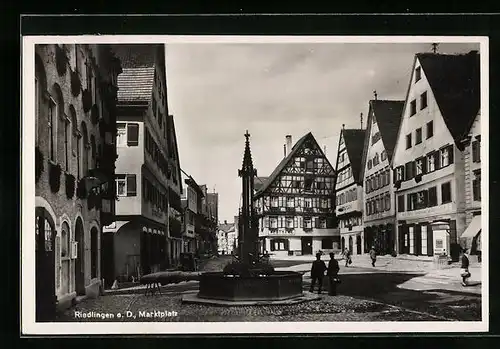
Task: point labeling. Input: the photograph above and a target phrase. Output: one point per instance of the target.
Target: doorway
(358, 244)
(107, 259)
(45, 289)
(306, 245)
(80, 258)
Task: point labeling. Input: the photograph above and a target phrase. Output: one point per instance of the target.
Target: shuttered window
(131, 185)
(132, 135)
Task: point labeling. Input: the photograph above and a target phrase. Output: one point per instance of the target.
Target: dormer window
(418, 74)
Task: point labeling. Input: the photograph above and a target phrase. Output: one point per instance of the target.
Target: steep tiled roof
(136, 84)
(258, 182)
(455, 83)
(354, 140)
(388, 115)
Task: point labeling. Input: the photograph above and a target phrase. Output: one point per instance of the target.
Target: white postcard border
(30, 327)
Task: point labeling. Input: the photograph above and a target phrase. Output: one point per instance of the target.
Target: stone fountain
(249, 281)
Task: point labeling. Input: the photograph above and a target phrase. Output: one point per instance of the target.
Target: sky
(218, 91)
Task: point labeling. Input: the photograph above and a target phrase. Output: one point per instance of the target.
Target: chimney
(288, 144)
(225, 221)
(284, 150)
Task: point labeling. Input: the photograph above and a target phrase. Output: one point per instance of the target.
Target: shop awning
(473, 229)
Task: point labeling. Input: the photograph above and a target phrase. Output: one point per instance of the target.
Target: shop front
(380, 236)
(471, 237)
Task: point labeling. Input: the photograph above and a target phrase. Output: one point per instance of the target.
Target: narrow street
(365, 294)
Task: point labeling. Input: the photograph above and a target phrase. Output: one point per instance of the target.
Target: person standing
(333, 274)
(317, 273)
(464, 269)
(373, 255)
(347, 256)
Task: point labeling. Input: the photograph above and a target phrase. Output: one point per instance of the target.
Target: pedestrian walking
(347, 256)
(317, 273)
(373, 255)
(464, 269)
(333, 275)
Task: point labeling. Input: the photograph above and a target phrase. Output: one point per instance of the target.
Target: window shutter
(426, 198)
(430, 242)
(403, 172)
(272, 245)
(424, 165)
(287, 244)
(474, 151)
(418, 240)
(316, 222)
(437, 159)
(132, 135)
(450, 154)
(131, 185)
(394, 175)
(401, 239)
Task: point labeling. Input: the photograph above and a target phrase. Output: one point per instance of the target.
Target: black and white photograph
(178, 185)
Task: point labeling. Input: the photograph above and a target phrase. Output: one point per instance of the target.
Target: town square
(249, 182)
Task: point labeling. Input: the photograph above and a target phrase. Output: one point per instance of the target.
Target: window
(411, 201)
(383, 155)
(322, 222)
(67, 140)
(423, 238)
(401, 203)
(376, 137)
(476, 151)
(432, 201)
(121, 134)
(399, 173)
(412, 240)
(121, 185)
(409, 170)
(408, 141)
(289, 222)
(421, 201)
(132, 135)
(308, 183)
(476, 188)
(419, 166)
(446, 156)
(279, 245)
(126, 185)
(423, 100)
(418, 74)
(387, 202)
(446, 192)
(430, 129)
(413, 107)
(375, 160)
(418, 136)
(369, 164)
(307, 222)
(51, 127)
(432, 161)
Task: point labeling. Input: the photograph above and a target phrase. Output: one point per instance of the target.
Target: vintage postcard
(178, 184)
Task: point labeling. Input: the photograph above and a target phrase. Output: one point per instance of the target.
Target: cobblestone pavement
(366, 294)
(168, 308)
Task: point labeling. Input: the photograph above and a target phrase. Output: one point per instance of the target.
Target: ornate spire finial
(434, 47)
(247, 135)
(343, 126)
(375, 94)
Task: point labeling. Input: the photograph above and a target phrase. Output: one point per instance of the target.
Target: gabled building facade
(349, 190)
(191, 203)
(226, 236)
(295, 203)
(471, 238)
(206, 222)
(139, 241)
(379, 216)
(74, 118)
(442, 101)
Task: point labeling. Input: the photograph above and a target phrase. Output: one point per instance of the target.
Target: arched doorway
(45, 289)
(358, 244)
(80, 259)
(351, 247)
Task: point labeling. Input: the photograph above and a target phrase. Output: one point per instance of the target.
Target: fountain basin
(280, 285)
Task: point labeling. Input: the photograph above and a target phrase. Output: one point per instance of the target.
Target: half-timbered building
(295, 203)
(442, 101)
(349, 189)
(384, 118)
